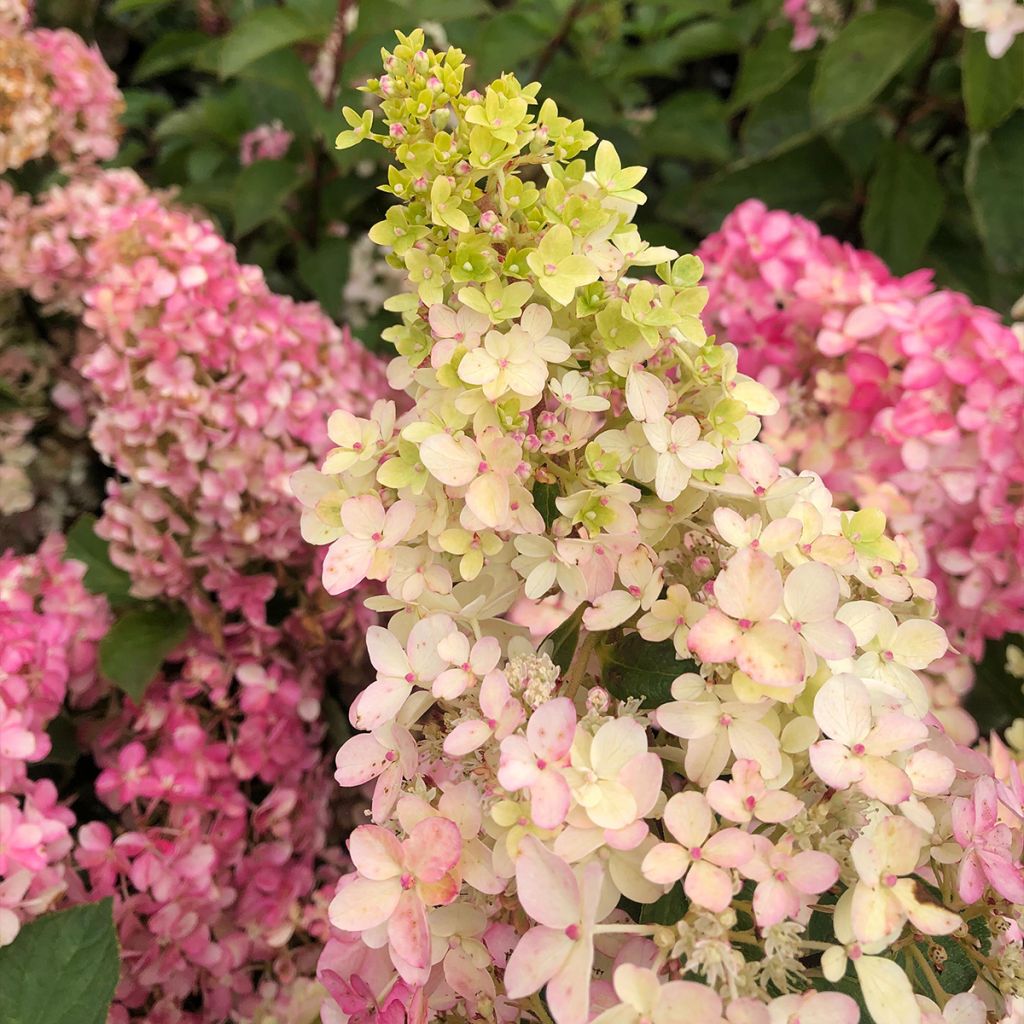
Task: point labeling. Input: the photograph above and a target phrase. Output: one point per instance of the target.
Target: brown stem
(918, 93)
(555, 42)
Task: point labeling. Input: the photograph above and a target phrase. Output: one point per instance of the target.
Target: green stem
(578, 666)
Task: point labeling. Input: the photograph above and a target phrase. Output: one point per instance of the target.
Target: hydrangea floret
(719, 783)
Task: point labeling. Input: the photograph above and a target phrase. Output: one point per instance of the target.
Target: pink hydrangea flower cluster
(265, 142)
(209, 390)
(720, 792)
(221, 832)
(49, 628)
(57, 95)
(898, 394)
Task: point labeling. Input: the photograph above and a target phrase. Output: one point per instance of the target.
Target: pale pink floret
(858, 750)
(645, 999)
(537, 761)
(388, 754)
(559, 951)
(365, 551)
(742, 629)
(746, 797)
(786, 878)
(395, 883)
(502, 714)
(703, 858)
(992, 849)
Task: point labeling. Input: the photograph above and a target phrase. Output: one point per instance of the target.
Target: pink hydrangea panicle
(992, 849)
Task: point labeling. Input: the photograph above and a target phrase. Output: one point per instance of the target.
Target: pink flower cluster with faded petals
(209, 390)
(49, 628)
(899, 394)
(265, 142)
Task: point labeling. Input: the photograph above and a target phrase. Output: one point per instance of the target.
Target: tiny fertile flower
(502, 715)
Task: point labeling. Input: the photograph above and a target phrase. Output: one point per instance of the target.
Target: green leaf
(992, 89)
(690, 125)
(560, 643)
(323, 271)
(134, 649)
(261, 32)
(904, 206)
(766, 68)
(667, 909)
(338, 727)
(128, 6)
(101, 575)
(634, 667)
(992, 181)
(858, 64)
(544, 496)
(997, 698)
(171, 51)
(62, 968)
(64, 747)
(780, 121)
(260, 190)
(956, 974)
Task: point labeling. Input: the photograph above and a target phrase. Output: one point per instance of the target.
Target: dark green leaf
(691, 125)
(134, 649)
(904, 206)
(858, 64)
(993, 89)
(953, 970)
(993, 182)
(780, 121)
(634, 667)
(323, 271)
(128, 6)
(766, 68)
(338, 727)
(101, 575)
(260, 191)
(64, 747)
(667, 909)
(996, 698)
(172, 50)
(261, 32)
(61, 969)
(544, 496)
(560, 643)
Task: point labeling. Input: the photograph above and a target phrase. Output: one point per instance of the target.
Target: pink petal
(547, 887)
(376, 852)
(360, 759)
(538, 956)
(550, 799)
(713, 639)
(709, 886)
(811, 872)
(362, 903)
(770, 653)
(466, 736)
(835, 765)
(688, 818)
(730, 848)
(665, 863)
(551, 729)
(568, 992)
(884, 781)
(347, 562)
(774, 901)
(408, 931)
(433, 848)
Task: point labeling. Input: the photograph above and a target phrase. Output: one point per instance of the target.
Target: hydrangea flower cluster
(57, 95)
(717, 791)
(265, 142)
(210, 390)
(218, 842)
(898, 394)
(49, 628)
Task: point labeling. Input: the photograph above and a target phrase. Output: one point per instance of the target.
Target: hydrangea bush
(718, 790)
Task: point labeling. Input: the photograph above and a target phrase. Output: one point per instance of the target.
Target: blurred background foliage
(896, 131)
